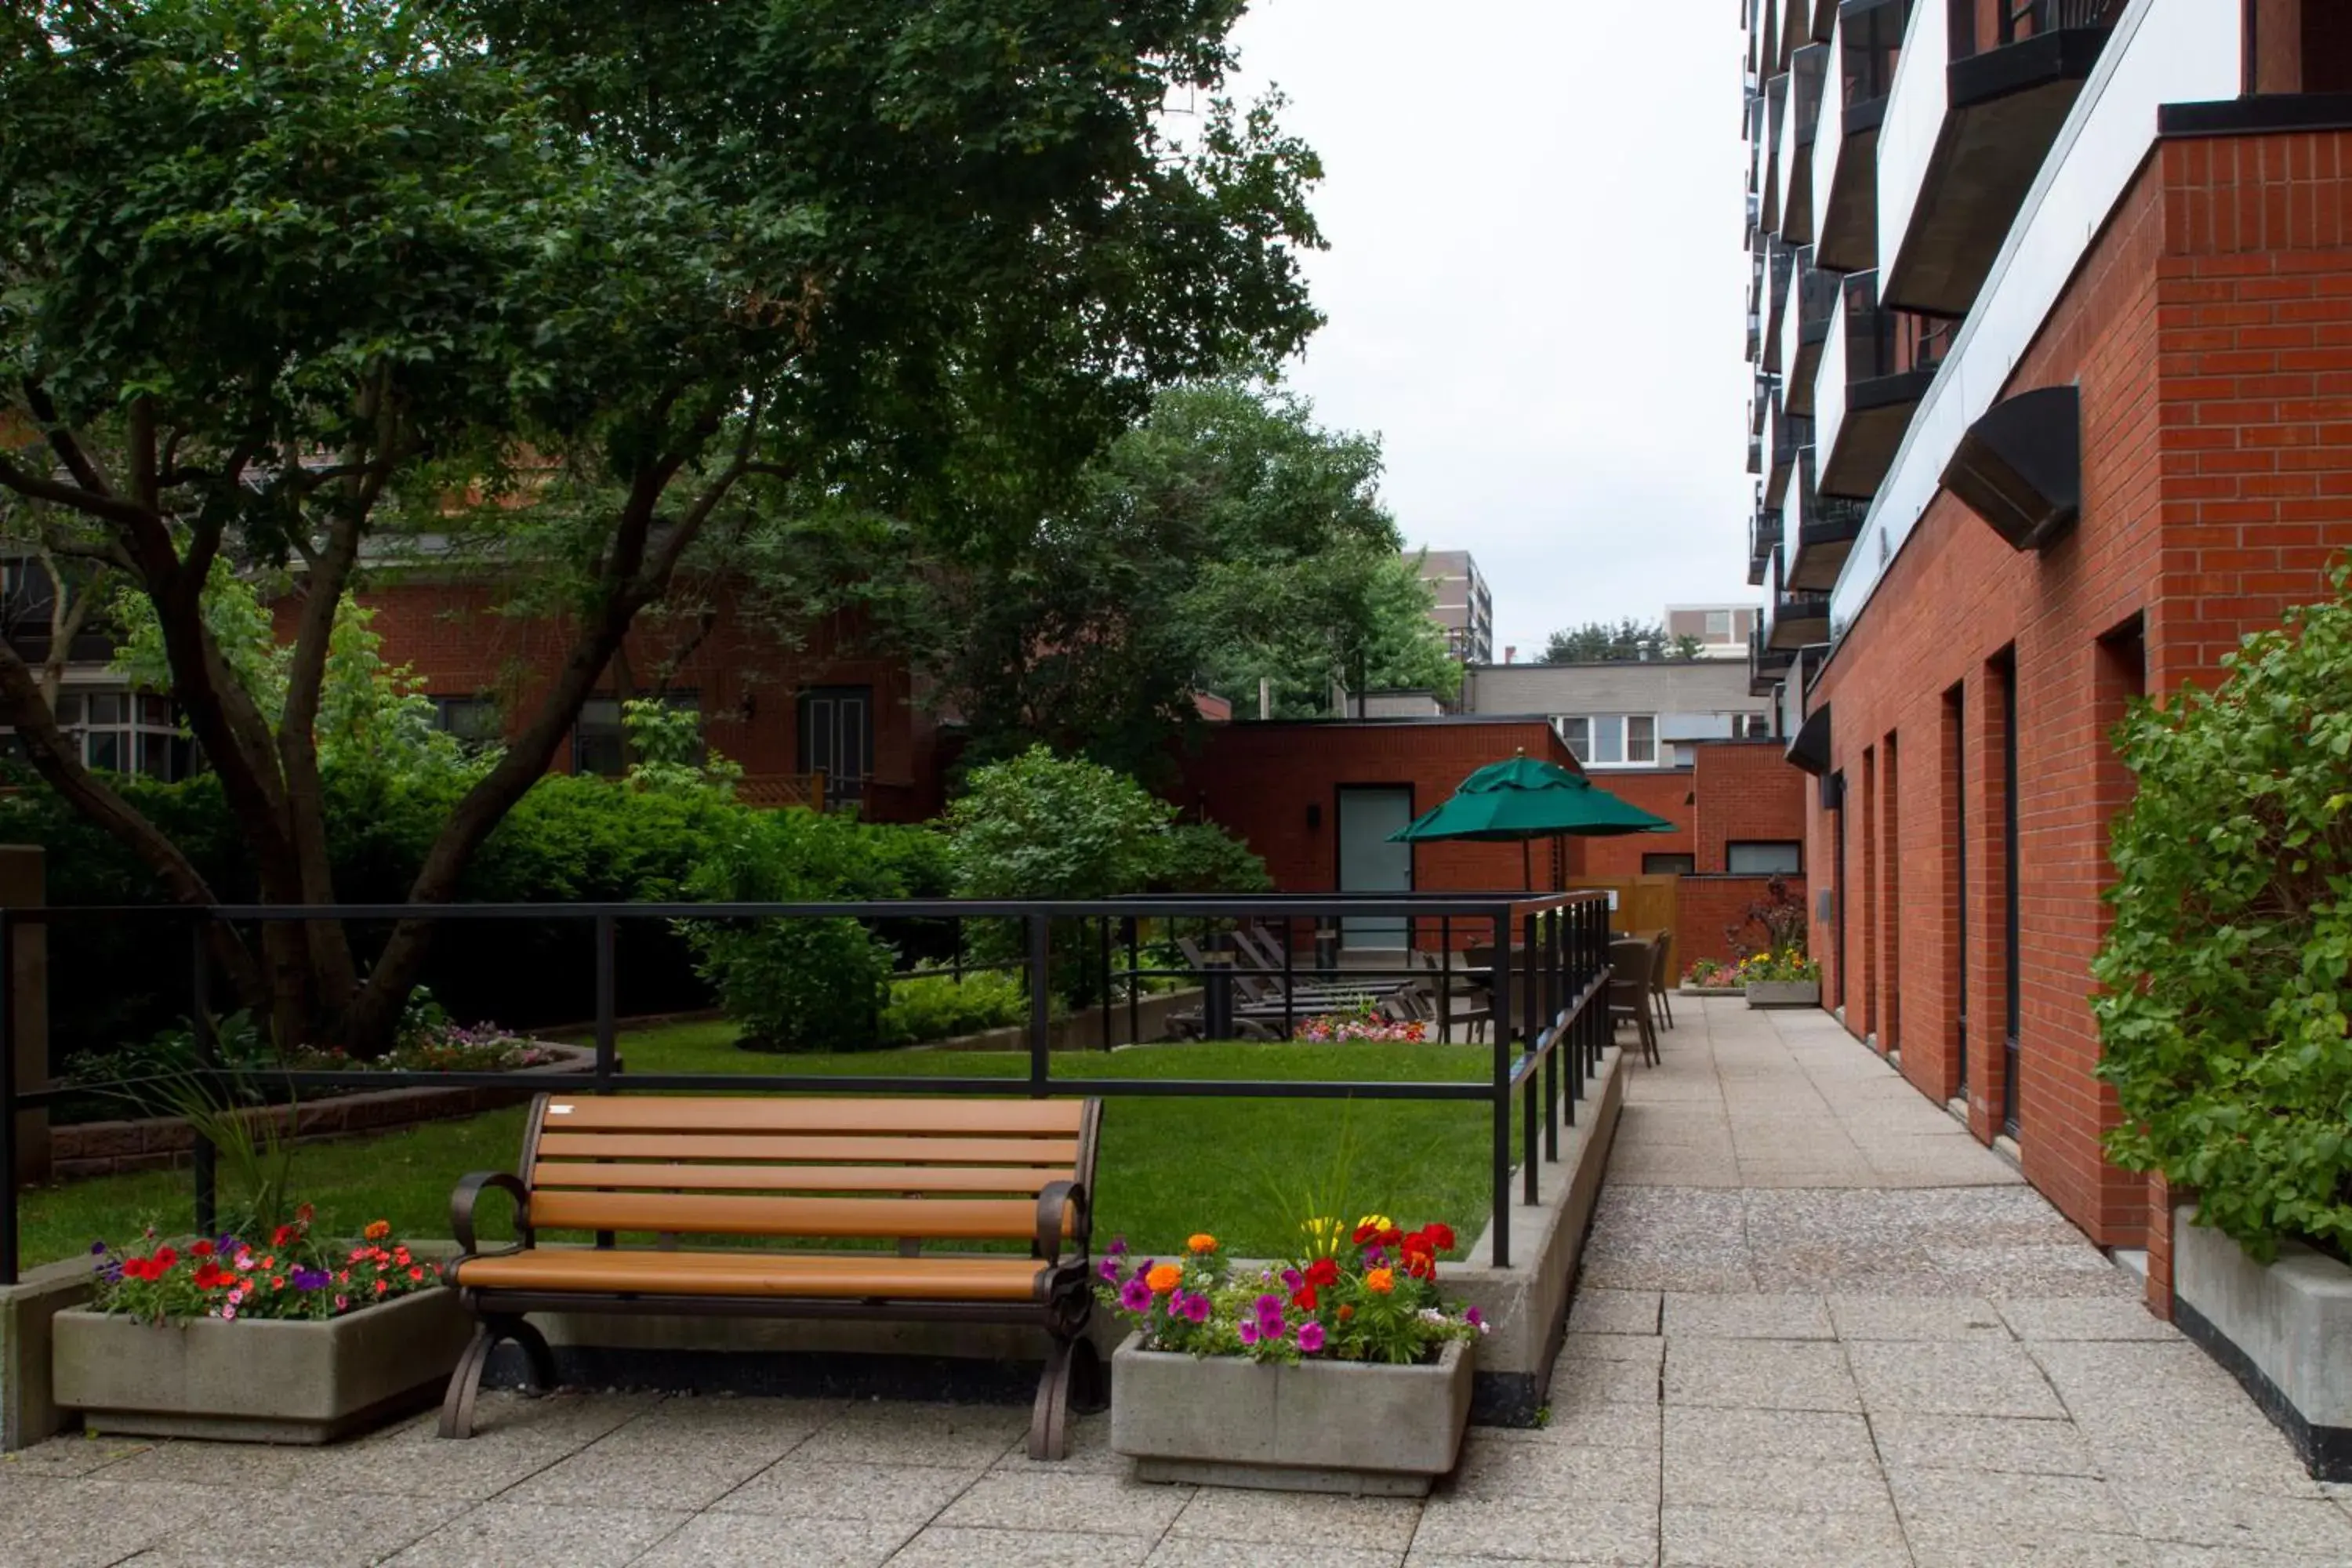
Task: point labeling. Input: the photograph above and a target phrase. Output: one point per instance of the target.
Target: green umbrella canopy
(1528, 798)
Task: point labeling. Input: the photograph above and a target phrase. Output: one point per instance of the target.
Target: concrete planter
(1330, 1427)
(257, 1380)
(2284, 1329)
(1784, 993)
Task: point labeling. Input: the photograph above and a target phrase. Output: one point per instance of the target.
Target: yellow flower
(1202, 1242)
(1377, 1221)
(1164, 1277)
(1382, 1280)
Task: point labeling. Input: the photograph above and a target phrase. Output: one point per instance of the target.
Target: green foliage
(1598, 642)
(937, 1007)
(807, 984)
(1202, 858)
(2224, 977)
(671, 757)
(1042, 827)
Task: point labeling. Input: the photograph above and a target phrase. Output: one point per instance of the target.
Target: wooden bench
(644, 1173)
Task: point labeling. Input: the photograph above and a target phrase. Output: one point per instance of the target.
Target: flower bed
(1341, 1371)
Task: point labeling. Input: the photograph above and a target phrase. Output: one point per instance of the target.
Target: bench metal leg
(465, 1382)
(1049, 1422)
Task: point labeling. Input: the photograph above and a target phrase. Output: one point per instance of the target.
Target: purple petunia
(1310, 1338)
(1196, 1311)
(1108, 1270)
(1476, 1319)
(1292, 1281)
(96, 1249)
(1135, 1296)
(1118, 1246)
(309, 1279)
(1248, 1332)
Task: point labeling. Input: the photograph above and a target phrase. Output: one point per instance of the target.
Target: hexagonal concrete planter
(1784, 993)
(257, 1380)
(1334, 1426)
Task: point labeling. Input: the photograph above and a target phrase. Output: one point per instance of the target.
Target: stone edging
(2278, 1328)
(159, 1142)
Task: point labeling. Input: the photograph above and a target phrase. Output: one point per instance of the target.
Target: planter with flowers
(284, 1338)
(1345, 1370)
(1783, 977)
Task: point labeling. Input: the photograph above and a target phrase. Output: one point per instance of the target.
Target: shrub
(805, 984)
(935, 1007)
(1773, 923)
(2223, 1010)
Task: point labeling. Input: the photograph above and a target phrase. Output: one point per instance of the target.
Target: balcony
(1763, 538)
(1820, 531)
(1817, 296)
(1780, 271)
(1785, 434)
(1793, 617)
(1767, 667)
(1760, 408)
(1876, 366)
(1776, 116)
(1975, 108)
(1863, 52)
(1807, 69)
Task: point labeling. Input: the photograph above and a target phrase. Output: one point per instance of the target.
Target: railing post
(203, 1159)
(1498, 980)
(1445, 979)
(1289, 986)
(1217, 990)
(7, 1096)
(1529, 1147)
(1041, 999)
(1134, 982)
(1105, 934)
(607, 1026)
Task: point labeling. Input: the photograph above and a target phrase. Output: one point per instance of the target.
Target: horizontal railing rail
(1542, 965)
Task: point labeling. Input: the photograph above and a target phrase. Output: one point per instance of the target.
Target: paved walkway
(1818, 1326)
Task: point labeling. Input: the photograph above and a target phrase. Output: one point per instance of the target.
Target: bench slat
(770, 1274)
(675, 1177)
(1057, 1150)
(962, 1219)
(657, 1113)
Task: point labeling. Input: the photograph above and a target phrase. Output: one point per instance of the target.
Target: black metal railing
(1882, 342)
(1541, 960)
(1870, 42)
(2026, 18)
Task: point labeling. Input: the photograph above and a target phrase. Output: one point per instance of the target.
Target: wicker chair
(1662, 975)
(1629, 992)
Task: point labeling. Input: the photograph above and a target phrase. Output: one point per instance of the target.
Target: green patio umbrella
(1526, 798)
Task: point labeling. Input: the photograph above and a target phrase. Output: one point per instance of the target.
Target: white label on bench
(559, 1110)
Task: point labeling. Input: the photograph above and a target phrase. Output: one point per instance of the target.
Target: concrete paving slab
(2239, 1521)
(1704, 1435)
(749, 1541)
(894, 1494)
(1760, 1317)
(79, 1454)
(1917, 1318)
(1544, 1532)
(322, 1536)
(2076, 1318)
(1764, 1375)
(1598, 1312)
(1697, 1536)
(1515, 1472)
(1206, 1551)
(1984, 1443)
(1952, 1377)
(1774, 1483)
(1376, 1524)
(520, 1535)
(1110, 1505)
(883, 1432)
(1972, 1505)
(941, 1548)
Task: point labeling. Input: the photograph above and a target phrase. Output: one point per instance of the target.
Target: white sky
(1535, 286)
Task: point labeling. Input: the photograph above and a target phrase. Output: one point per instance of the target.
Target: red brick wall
(1663, 793)
(1708, 906)
(1747, 791)
(745, 677)
(2210, 330)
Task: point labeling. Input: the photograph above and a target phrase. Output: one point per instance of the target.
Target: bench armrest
(470, 1193)
(1056, 1201)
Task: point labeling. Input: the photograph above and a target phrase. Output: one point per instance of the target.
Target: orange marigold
(1164, 1277)
(1201, 1241)
(378, 1229)
(1383, 1281)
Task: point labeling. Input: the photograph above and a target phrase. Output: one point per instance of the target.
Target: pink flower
(1310, 1338)
(229, 1313)
(1248, 1332)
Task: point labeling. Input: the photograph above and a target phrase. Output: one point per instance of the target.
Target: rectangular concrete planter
(257, 1380)
(1336, 1427)
(2284, 1329)
(1784, 993)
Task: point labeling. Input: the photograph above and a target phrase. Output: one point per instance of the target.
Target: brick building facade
(2197, 331)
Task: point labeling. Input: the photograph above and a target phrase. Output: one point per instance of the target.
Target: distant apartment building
(2050, 311)
(1465, 608)
(1626, 713)
(1722, 630)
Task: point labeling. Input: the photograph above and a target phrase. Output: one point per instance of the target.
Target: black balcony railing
(1542, 961)
(1870, 41)
(2026, 18)
(1879, 342)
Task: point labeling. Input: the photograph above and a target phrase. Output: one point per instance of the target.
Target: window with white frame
(1611, 739)
(1718, 625)
(1764, 858)
(124, 733)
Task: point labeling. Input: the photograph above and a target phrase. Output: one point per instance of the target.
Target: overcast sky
(1535, 285)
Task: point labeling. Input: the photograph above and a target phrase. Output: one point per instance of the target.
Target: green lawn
(1168, 1167)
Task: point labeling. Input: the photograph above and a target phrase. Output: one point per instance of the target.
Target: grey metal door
(1369, 863)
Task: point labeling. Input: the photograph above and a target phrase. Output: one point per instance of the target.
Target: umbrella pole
(1526, 866)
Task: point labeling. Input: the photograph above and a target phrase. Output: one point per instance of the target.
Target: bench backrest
(912, 1170)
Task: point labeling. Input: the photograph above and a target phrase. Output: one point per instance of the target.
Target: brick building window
(596, 736)
(125, 732)
(1718, 625)
(474, 721)
(1611, 739)
(1764, 858)
(1669, 864)
(1751, 726)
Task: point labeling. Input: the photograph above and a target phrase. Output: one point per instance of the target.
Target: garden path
(1819, 1324)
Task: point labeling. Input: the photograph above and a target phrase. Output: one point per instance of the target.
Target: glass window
(474, 721)
(69, 710)
(596, 738)
(1608, 740)
(1578, 733)
(123, 732)
(1669, 864)
(1718, 625)
(1765, 859)
(108, 707)
(1641, 738)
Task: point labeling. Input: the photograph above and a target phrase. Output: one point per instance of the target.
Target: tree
(1598, 642)
(1225, 538)
(586, 280)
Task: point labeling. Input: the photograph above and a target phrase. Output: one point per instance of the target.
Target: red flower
(1418, 1242)
(201, 1249)
(281, 1236)
(211, 1277)
(1420, 1265)
(1439, 1235)
(1365, 1233)
(1323, 1271)
(416, 1274)
(1390, 1237)
(1304, 1300)
(164, 1259)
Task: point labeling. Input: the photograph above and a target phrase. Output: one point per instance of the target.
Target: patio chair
(1629, 992)
(1662, 970)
